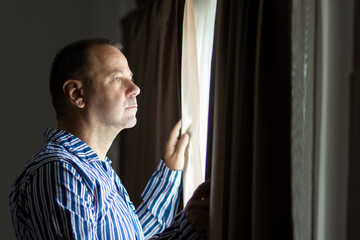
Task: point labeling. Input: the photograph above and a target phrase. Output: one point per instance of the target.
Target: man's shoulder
(49, 154)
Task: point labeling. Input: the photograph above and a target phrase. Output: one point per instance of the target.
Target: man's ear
(74, 92)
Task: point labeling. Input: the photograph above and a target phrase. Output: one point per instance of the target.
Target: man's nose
(133, 90)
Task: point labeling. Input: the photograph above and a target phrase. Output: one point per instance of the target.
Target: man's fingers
(177, 145)
(175, 132)
(174, 154)
(181, 144)
(199, 204)
(203, 190)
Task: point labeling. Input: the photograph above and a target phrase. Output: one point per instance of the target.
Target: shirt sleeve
(158, 209)
(180, 229)
(60, 206)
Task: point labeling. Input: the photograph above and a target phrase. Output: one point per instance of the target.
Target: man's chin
(131, 123)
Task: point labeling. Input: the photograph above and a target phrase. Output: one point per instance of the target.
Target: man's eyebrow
(121, 72)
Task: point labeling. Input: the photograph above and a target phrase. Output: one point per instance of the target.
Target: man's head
(72, 62)
(92, 78)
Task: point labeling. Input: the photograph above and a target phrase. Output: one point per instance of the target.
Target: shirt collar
(73, 144)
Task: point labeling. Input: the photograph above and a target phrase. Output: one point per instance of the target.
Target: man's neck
(98, 138)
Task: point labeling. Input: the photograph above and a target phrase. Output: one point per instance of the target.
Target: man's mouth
(132, 106)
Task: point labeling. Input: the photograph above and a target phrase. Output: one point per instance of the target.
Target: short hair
(72, 62)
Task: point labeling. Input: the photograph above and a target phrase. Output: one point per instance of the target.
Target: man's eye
(117, 79)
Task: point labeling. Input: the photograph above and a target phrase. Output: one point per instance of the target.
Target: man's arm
(161, 197)
(160, 200)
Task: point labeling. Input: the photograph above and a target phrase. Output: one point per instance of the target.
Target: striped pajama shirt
(66, 192)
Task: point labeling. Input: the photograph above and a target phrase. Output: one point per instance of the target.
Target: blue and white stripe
(66, 192)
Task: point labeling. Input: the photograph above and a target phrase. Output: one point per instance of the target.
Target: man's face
(110, 99)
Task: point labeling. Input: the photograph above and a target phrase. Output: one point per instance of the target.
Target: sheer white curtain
(198, 32)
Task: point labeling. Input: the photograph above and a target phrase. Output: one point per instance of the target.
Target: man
(68, 190)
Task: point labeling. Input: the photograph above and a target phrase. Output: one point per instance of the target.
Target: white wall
(30, 34)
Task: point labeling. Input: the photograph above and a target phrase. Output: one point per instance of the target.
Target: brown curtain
(152, 45)
(249, 143)
(353, 213)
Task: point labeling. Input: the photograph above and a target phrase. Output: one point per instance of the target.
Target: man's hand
(197, 209)
(174, 156)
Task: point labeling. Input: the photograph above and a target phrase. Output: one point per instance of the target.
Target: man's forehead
(110, 59)
(104, 53)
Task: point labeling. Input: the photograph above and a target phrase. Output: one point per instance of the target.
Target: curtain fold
(190, 104)
(250, 131)
(302, 120)
(152, 45)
